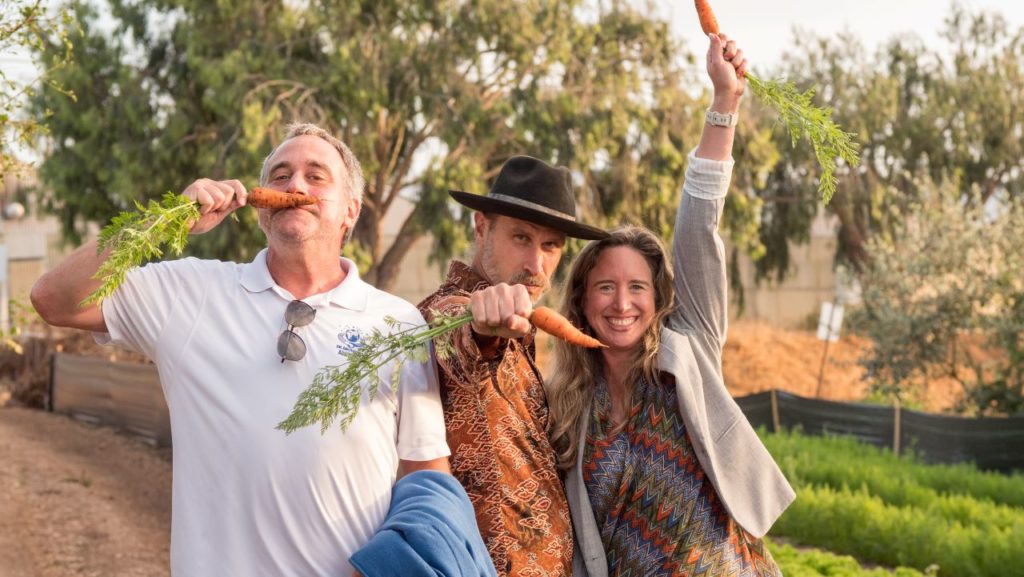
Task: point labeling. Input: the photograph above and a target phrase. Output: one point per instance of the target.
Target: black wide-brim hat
(532, 190)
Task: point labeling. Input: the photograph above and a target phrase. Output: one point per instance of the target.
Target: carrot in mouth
(270, 198)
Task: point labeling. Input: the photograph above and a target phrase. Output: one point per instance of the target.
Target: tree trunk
(387, 268)
(851, 234)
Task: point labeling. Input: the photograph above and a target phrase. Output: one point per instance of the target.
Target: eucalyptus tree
(430, 95)
(922, 115)
(26, 25)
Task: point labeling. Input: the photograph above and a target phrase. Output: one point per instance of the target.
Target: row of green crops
(859, 500)
(815, 563)
(839, 461)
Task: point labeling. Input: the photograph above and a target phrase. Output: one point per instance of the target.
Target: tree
(23, 26)
(920, 117)
(430, 95)
(944, 297)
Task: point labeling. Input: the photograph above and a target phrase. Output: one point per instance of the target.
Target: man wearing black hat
(494, 403)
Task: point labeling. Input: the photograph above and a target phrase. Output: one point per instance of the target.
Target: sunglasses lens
(290, 346)
(299, 314)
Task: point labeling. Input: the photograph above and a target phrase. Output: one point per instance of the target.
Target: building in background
(812, 280)
(29, 242)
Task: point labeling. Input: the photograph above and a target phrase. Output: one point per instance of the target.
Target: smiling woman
(620, 301)
(645, 431)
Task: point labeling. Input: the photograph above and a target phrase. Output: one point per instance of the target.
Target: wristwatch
(726, 119)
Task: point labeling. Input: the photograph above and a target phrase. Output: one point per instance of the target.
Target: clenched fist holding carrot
(219, 198)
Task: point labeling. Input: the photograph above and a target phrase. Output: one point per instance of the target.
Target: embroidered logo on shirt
(349, 340)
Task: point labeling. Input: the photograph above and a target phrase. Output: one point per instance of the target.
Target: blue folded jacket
(430, 531)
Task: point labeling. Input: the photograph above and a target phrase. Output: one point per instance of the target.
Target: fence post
(50, 382)
(776, 425)
(897, 412)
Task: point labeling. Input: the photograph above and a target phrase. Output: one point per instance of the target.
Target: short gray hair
(356, 182)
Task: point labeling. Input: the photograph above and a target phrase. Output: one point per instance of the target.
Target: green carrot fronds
(136, 237)
(336, 390)
(803, 119)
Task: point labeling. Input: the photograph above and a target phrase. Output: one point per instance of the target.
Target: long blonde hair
(571, 387)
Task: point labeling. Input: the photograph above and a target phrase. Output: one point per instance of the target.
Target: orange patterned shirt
(496, 414)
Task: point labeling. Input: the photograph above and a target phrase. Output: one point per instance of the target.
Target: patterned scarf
(657, 512)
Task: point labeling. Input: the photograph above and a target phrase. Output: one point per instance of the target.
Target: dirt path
(80, 501)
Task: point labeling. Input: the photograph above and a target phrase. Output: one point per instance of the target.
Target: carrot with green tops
(270, 198)
(708, 22)
(556, 325)
(799, 115)
(336, 390)
(134, 237)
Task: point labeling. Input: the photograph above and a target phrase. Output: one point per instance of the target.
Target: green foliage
(859, 500)
(944, 296)
(863, 525)
(337, 390)
(431, 96)
(921, 115)
(803, 119)
(133, 238)
(838, 461)
(816, 563)
(21, 314)
(26, 25)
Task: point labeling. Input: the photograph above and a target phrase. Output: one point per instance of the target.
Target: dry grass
(759, 358)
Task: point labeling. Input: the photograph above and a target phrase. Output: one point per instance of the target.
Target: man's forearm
(57, 294)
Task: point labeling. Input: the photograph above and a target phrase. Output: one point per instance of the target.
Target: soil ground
(77, 500)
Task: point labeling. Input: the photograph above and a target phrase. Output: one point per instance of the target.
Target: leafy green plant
(336, 390)
(943, 298)
(134, 237)
(839, 461)
(803, 119)
(861, 524)
(815, 563)
(857, 499)
(26, 24)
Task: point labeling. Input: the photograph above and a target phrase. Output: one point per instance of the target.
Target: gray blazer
(747, 479)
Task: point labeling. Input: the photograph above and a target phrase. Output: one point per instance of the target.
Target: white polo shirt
(247, 499)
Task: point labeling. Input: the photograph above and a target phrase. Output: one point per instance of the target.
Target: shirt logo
(349, 340)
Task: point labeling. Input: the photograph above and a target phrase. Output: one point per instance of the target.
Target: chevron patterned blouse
(657, 512)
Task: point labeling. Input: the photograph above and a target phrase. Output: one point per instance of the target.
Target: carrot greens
(136, 237)
(336, 391)
(799, 115)
(802, 118)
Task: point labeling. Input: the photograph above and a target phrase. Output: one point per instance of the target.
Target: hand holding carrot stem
(134, 237)
(799, 115)
(501, 310)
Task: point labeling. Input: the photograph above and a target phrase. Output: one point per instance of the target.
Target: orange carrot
(708, 22)
(558, 326)
(270, 198)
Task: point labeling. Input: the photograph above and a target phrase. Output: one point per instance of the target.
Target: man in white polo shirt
(235, 344)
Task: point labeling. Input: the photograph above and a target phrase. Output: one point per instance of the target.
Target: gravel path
(77, 500)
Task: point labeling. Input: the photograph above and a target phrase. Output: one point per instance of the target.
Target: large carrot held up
(270, 198)
(708, 22)
(558, 326)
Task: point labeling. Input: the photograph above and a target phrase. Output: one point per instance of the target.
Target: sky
(764, 28)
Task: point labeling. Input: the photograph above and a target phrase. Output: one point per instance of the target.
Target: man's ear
(480, 225)
(352, 214)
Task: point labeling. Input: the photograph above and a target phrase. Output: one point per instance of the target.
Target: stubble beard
(489, 263)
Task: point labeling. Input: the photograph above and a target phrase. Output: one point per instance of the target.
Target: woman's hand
(726, 67)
